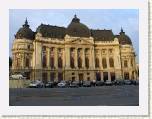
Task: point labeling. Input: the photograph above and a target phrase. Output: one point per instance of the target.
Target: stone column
(100, 60)
(107, 60)
(76, 58)
(48, 58)
(63, 57)
(93, 58)
(83, 58)
(109, 76)
(67, 57)
(56, 57)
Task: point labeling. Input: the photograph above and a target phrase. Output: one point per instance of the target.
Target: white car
(36, 84)
(62, 84)
(87, 83)
(17, 76)
(108, 83)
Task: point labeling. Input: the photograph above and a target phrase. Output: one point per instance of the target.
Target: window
(52, 76)
(104, 51)
(110, 51)
(111, 62)
(52, 48)
(88, 73)
(125, 63)
(28, 47)
(44, 48)
(60, 62)
(44, 78)
(27, 64)
(97, 62)
(79, 62)
(60, 76)
(72, 73)
(72, 62)
(104, 63)
(87, 62)
(73, 79)
(44, 60)
(88, 78)
(132, 62)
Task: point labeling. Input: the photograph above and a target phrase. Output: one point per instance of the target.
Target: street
(125, 95)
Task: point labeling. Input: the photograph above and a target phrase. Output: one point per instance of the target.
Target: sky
(113, 19)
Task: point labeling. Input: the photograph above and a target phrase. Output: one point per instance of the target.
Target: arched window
(111, 62)
(79, 62)
(97, 62)
(44, 60)
(60, 62)
(52, 62)
(104, 63)
(87, 62)
(27, 63)
(72, 62)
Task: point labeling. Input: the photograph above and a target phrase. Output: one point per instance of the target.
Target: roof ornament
(122, 32)
(76, 19)
(26, 23)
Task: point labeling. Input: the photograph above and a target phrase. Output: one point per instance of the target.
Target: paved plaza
(126, 95)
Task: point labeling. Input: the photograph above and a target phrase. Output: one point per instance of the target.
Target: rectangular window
(125, 63)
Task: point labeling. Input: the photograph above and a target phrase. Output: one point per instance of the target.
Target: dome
(124, 39)
(25, 32)
(77, 29)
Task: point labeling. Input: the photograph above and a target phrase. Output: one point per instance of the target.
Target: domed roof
(77, 29)
(123, 38)
(25, 32)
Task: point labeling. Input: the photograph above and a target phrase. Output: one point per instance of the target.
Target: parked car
(119, 82)
(87, 83)
(17, 76)
(93, 83)
(74, 84)
(100, 83)
(49, 85)
(135, 82)
(108, 83)
(127, 82)
(36, 84)
(62, 84)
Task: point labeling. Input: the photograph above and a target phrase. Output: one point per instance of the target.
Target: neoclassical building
(74, 52)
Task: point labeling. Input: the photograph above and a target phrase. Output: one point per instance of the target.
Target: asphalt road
(126, 95)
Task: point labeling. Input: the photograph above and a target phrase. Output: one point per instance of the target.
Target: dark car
(135, 82)
(100, 83)
(119, 82)
(74, 84)
(127, 82)
(49, 85)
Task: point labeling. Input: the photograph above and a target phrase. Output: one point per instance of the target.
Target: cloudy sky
(93, 18)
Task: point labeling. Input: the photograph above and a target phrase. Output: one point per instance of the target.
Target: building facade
(54, 53)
